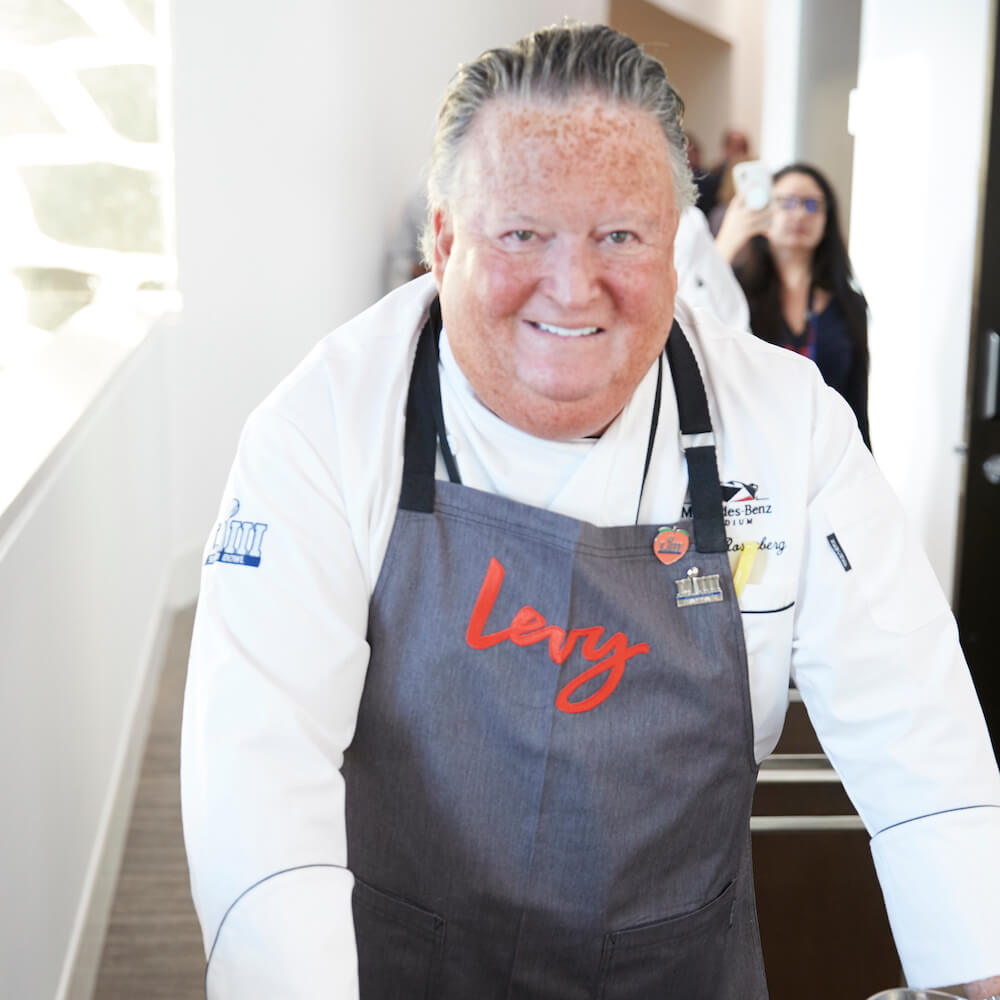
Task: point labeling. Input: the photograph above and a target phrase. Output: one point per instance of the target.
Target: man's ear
(444, 235)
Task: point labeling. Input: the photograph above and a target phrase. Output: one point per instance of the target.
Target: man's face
(554, 260)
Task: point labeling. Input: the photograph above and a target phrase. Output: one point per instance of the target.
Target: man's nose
(572, 274)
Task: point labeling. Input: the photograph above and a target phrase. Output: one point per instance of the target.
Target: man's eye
(522, 235)
(620, 236)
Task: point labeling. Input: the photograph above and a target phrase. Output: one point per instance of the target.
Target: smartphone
(753, 180)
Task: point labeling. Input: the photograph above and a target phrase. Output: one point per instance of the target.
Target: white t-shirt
(279, 652)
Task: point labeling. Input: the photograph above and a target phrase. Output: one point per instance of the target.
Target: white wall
(780, 118)
(920, 108)
(83, 575)
(828, 71)
(716, 16)
(740, 23)
(810, 69)
(300, 130)
(748, 19)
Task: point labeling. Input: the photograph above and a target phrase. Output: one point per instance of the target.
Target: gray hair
(555, 63)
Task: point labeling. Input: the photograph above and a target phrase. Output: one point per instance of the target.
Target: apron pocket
(400, 946)
(667, 959)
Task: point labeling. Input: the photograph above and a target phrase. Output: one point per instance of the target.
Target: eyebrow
(524, 221)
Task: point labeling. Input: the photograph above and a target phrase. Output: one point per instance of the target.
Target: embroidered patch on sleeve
(839, 552)
(236, 541)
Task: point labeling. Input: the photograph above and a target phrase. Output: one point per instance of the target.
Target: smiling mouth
(565, 331)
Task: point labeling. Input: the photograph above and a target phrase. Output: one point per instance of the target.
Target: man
(476, 700)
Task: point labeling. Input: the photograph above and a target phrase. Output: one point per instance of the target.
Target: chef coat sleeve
(277, 667)
(877, 660)
(705, 279)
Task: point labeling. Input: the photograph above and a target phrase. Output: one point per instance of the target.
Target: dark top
(707, 182)
(842, 366)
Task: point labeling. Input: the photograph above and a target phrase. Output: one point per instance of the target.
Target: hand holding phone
(749, 213)
(753, 181)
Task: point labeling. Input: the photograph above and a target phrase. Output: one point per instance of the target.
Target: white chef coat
(704, 278)
(279, 653)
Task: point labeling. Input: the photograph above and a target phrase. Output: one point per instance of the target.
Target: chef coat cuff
(289, 936)
(940, 877)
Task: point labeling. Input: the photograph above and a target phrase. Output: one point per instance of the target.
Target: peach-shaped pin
(670, 544)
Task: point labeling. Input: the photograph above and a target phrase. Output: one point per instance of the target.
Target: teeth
(563, 331)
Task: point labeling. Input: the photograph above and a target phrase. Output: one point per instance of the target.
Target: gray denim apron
(549, 789)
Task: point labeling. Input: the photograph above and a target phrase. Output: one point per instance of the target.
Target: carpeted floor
(153, 946)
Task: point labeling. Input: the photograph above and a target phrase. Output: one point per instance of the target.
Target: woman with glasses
(791, 260)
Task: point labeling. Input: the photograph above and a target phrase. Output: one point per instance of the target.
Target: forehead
(522, 146)
(801, 184)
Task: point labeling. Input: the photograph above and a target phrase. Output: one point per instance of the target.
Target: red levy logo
(528, 626)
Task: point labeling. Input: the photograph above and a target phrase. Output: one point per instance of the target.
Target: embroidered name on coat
(528, 626)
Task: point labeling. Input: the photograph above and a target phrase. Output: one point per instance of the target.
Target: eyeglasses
(793, 201)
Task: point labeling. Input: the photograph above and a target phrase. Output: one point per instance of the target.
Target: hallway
(153, 945)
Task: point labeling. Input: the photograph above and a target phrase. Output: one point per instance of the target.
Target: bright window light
(85, 169)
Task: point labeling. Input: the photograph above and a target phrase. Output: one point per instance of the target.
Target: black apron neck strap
(425, 422)
(698, 442)
(425, 433)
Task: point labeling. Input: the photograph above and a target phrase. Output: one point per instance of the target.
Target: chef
(509, 583)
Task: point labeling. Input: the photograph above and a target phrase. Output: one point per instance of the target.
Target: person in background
(792, 263)
(724, 194)
(735, 145)
(694, 155)
(699, 172)
(403, 261)
(476, 698)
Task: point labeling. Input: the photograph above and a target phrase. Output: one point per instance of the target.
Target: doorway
(977, 590)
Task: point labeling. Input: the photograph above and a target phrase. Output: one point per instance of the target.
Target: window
(85, 169)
